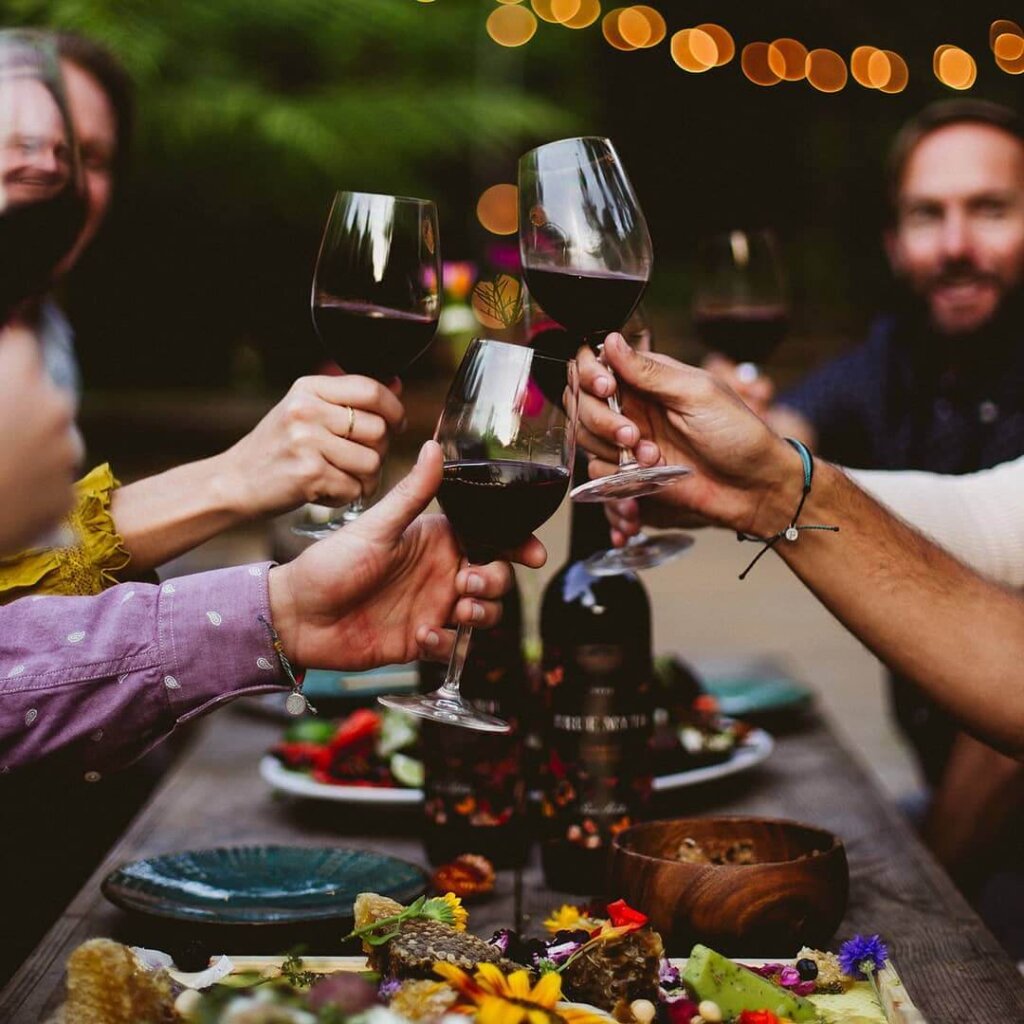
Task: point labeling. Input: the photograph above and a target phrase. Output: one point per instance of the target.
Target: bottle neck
(589, 532)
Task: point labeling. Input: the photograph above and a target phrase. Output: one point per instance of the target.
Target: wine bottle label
(597, 774)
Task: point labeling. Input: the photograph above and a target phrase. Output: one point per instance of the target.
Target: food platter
(754, 750)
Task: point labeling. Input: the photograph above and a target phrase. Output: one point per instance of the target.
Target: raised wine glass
(508, 435)
(376, 294)
(42, 202)
(644, 550)
(739, 302)
(587, 257)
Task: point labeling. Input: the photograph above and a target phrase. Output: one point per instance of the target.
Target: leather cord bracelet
(296, 704)
(792, 532)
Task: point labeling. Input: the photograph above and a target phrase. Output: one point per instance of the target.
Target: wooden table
(952, 966)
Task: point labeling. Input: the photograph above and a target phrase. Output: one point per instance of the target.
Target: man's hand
(386, 587)
(41, 448)
(310, 447)
(745, 476)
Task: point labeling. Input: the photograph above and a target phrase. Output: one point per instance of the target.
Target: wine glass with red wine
(376, 294)
(587, 258)
(508, 434)
(739, 303)
(42, 202)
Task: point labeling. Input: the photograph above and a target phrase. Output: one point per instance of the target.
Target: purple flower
(863, 955)
(804, 988)
(501, 940)
(387, 989)
(668, 975)
(562, 951)
(788, 977)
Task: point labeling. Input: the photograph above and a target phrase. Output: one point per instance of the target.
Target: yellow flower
(494, 998)
(565, 918)
(447, 908)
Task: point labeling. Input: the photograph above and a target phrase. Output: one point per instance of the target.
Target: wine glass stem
(627, 460)
(450, 686)
(354, 510)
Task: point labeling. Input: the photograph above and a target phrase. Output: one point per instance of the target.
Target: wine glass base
(630, 483)
(317, 530)
(643, 553)
(438, 707)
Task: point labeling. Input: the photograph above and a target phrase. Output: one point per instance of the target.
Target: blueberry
(807, 969)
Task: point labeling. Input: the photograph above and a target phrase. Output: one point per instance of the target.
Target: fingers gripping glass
(587, 258)
(508, 434)
(376, 293)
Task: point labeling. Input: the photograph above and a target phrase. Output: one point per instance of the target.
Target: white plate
(755, 748)
(286, 781)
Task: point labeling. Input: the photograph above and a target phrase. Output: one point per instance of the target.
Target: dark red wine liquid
(371, 340)
(748, 335)
(586, 304)
(494, 506)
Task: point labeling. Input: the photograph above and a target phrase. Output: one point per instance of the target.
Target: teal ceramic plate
(756, 695)
(260, 884)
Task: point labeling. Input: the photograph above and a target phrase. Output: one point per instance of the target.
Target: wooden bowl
(794, 895)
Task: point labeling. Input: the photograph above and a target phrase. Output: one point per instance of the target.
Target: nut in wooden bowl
(757, 887)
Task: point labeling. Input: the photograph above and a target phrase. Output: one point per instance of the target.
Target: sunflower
(494, 998)
(447, 908)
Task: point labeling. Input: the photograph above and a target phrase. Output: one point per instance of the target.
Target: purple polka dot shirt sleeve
(94, 682)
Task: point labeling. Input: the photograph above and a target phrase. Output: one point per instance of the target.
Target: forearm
(163, 516)
(921, 611)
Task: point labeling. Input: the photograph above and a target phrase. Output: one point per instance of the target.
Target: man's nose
(957, 242)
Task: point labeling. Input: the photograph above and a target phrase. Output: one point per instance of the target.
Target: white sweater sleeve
(979, 517)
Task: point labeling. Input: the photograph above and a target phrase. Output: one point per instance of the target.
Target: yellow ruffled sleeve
(87, 563)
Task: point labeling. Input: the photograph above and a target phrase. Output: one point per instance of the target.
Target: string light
(694, 50)
(511, 25)
(788, 59)
(642, 22)
(859, 65)
(497, 209)
(826, 70)
(896, 75)
(611, 33)
(755, 65)
(542, 8)
(955, 67)
(576, 13)
(725, 43)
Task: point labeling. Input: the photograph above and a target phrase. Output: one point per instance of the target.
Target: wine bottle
(598, 675)
(474, 793)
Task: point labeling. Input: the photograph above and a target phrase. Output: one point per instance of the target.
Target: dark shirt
(898, 402)
(907, 399)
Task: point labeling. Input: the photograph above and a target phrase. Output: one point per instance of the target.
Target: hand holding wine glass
(376, 295)
(508, 437)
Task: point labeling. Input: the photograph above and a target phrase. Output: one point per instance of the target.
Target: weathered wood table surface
(952, 966)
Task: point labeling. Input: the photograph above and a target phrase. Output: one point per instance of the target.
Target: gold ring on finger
(351, 422)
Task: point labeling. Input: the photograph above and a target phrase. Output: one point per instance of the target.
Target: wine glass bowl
(376, 293)
(587, 256)
(739, 304)
(507, 434)
(42, 202)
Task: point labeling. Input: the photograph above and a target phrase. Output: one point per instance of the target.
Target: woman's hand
(385, 588)
(41, 448)
(323, 442)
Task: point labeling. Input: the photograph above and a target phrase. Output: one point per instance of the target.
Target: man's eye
(993, 208)
(921, 215)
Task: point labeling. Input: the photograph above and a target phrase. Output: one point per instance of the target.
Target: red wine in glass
(369, 340)
(496, 506)
(746, 334)
(588, 305)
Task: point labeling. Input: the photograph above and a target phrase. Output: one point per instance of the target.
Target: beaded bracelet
(296, 704)
(791, 532)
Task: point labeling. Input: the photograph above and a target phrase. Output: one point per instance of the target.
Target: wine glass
(643, 550)
(42, 203)
(376, 294)
(587, 257)
(739, 303)
(508, 434)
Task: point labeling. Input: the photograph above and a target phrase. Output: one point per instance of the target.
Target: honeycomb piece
(107, 985)
(370, 907)
(423, 1000)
